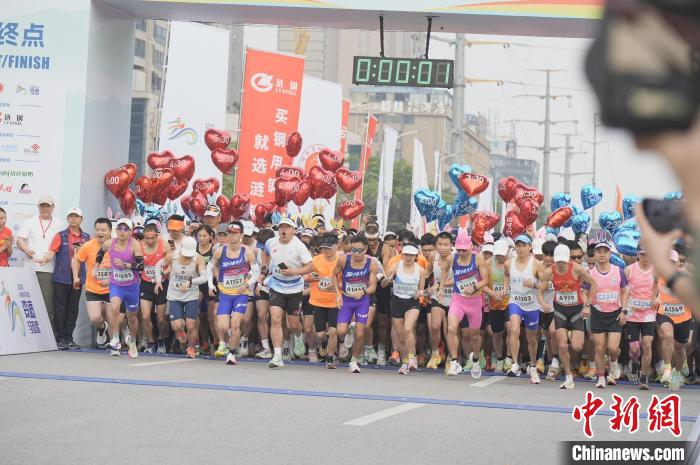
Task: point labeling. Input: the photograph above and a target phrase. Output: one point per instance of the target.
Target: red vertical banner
(364, 160)
(269, 114)
(344, 126)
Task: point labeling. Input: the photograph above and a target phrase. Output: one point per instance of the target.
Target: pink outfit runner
(640, 298)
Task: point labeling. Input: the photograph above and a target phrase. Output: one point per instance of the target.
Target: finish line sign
(24, 323)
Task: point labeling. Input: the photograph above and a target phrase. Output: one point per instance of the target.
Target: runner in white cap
(498, 291)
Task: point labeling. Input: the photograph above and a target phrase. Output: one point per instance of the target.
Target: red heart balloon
(473, 184)
(160, 197)
(558, 217)
(225, 207)
(239, 205)
(183, 167)
(478, 233)
(302, 193)
(290, 172)
(224, 159)
(208, 186)
(127, 202)
(185, 204)
(350, 209)
(261, 210)
(160, 159)
(523, 192)
(488, 219)
(198, 203)
(284, 189)
(161, 179)
(506, 188)
(132, 170)
(117, 180)
(513, 225)
(348, 180)
(322, 182)
(330, 160)
(217, 139)
(177, 188)
(529, 211)
(293, 146)
(144, 189)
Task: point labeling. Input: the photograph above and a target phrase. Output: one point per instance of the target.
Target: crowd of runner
(554, 307)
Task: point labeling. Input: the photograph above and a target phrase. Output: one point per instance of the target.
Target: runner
(408, 278)
(207, 306)
(374, 249)
(288, 259)
(96, 279)
(187, 272)
(570, 306)
(154, 250)
(607, 316)
(126, 258)
(525, 303)
(323, 296)
(498, 290)
(641, 317)
(359, 281)
(547, 326)
(262, 295)
(470, 273)
(232, 264)
(675, 321)
(176, 231)
(441, 296)
(247, 326)
(386, 253)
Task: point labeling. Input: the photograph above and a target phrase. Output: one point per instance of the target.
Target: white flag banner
(418, 181)
(437, 184)
(386, 176)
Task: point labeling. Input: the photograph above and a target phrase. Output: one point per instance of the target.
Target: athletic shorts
(435, 304)
(484, 319)
(497, 320)
(359, 308)
(568, 317)
(373, 300)
(149, 295)
(400, 306)
(183, 310)
(323, 316)
(605, 322)
(230, 304)
(383, 301)
(546, 320)
(469, 307)
(634, 329)
(530, 319)
(264, 296)
(290, 303)
(306, 308)
(92, 297)
(204, 289)
(127, 294)
(423, 315)
(681, 331)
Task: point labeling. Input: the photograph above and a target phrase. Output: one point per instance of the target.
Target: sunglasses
(357, 250)
(577, 257)
(123, 228)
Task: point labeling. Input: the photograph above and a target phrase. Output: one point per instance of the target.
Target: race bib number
(405, 289)
(234, 281)
(640, 304)
(103, 274)
(466, 284)
(608, 297)
(674, 309)
(326, 285)
(523, 299)
(150, 272)
(498, 288)
(122, 276)
(566, 298)
(357, 287)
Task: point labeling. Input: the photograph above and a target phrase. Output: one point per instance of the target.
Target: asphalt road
(88, 408)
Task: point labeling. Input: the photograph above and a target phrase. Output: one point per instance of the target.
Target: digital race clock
(414, 72)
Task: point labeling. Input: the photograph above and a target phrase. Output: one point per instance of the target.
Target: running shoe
(381, 358)
(114, 348)
(691, 379)
(191, 353)
(421, 360)
(231, 359)
(601, 382)
(468, 364)
(353, 368)
(276, 362)
(141, 346)
(534, 375)
(313, 356)
(362, 360)
(221, 351)
(514, 371)
(286, 355)
(591, 375)
(61, 345)
(197, 350)
(482, 359)
(615, 370)
(371, 355)
(133, 350)
(243, 348)
(507, 364)
(395, 358)
(666, 377)
(161, 346)
(403, 370)
(323, 350)
(453, 369)
(343, 351)
(611, 380)
(264, 354)
(101, 338)
(448, 364)
(476, 370)
(331, 363)
(568, 383)
(540, 366)
(72, 345)
(676, 380)
(412, 364)
(553, 371)
(299, 347)
(350, 336)
(634, 371)
(583, 369)
(434, 361)
(499, 367)
(685, 371)
(644, 382)
(150, 348)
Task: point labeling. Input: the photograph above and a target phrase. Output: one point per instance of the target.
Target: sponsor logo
(19, 90)
(262, 82)
(5, 187)
(14, 311)
(33, 90)
(179, 129)
(25, 189)
(16, 174)
(8, 148)
(8, 120)
(33, 149)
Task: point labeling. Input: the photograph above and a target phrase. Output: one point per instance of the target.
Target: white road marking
(382, 414)
(488, 381)
(166, 362)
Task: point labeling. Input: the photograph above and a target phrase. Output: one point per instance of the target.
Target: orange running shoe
(191, 353)
(395, 357)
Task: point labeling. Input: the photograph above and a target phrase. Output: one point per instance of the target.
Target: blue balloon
(426, 201)
(630, 224)
(610, 221)
(618, 261)
(627, 241)
(673, 196)
(570, 221)
(590, 196)
(560, 199)
(554, 231)
(465, 205)
(581, 223)
(454, 172)
(276, 217)
(628, 204)
(445, 217)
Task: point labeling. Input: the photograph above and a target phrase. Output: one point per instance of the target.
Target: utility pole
(457, 139)
(567, 174)
(595, 143)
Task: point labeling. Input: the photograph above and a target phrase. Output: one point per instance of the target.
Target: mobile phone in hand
(665, 215)
(282, 266)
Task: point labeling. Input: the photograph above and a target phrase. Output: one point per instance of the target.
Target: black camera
(644, 65)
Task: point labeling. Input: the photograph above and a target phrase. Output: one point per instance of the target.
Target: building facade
(525, 171)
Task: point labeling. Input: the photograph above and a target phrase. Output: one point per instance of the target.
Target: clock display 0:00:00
(403, 72)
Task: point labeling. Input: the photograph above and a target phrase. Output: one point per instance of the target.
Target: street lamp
(438, 185)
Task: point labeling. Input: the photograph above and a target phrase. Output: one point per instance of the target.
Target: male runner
(154, 250)
(441, 297)
(498, 290)
(324, 295)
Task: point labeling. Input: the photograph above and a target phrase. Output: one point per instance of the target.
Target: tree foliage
(400, 206)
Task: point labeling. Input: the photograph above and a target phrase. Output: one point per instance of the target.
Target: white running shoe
(454, 369)
(476, 370)
(514, 371)
(553, 371)
(231, 359)
(508, 364)
(161, 346)
(264, 354)
(403, 370)
(666, 378)
(499, 367)
(371, 355)
(276, 362)
(676, 380)
(313, 355)
(611, 380)
(615, 371)
(133, 350)
(299, 347)
(534, 376)
(114, 348)
(412, 364)
(568, 383)
(343, 350)
(101, 338)
(353, 368)
(350, 337)
(601, 383)
(381, 358)
(243, 348)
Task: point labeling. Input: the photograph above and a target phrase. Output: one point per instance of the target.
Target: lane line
(166, 362)
(488, 381)
(304, 393)
(382, 414)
